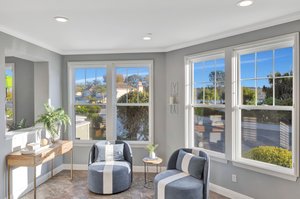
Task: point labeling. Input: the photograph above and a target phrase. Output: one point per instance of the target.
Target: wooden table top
(58, 148)
(148, 160)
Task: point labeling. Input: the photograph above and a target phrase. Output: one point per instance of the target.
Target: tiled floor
(61, 187)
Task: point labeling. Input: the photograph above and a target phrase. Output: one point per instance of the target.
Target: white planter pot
(152, 155)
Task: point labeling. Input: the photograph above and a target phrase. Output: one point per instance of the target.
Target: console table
(17, 159)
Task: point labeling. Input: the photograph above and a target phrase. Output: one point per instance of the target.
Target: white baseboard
(227, 192)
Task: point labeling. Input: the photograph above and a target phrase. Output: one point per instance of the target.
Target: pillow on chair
(190, 164)
(110, 152)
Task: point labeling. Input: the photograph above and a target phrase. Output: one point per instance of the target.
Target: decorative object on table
(28, 151)
(151, 149)
(44, 142)
(53, 119)
(33, 146)
(189, 171)
(107, 176)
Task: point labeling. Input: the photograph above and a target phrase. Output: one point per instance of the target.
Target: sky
(98, 73)
(283, 61)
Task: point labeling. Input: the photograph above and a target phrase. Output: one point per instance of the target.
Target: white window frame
(190, 103)
(291, 40)
(12, 66)
(111, 100)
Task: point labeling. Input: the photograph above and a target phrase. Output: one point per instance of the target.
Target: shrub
(271, 154)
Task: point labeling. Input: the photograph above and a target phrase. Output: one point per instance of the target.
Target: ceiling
(111, 26)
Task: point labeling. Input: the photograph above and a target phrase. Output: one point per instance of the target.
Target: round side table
(148, 161)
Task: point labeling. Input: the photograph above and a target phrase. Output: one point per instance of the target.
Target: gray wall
(11, 46)
(81, 153)
(24, 89)
(249, 183)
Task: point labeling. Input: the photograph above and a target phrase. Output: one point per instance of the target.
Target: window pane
(264, 64)
(267, 136)
(264, 92)
(284, 91)
(90, 122)
(284, 61)
(9, 98)
(132, 84)
(247, 66)
(209, 129)
(90, 85)
(133, 123)
(248, 92)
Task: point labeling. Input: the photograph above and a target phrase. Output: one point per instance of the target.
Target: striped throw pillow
(190, 164)
(110, 152)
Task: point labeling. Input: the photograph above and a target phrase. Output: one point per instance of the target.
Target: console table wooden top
(59, 148)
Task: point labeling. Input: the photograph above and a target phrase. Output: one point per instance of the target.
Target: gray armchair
(109, 177)
(176, 184)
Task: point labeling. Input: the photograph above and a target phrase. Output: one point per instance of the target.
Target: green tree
(248, 96)
(218, 76)
(134, 118)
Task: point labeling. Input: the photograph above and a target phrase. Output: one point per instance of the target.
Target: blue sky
(264, 66)
(98, 73)
(8, 72)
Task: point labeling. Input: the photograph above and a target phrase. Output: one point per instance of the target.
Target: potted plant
(53, 119)
(151, 149)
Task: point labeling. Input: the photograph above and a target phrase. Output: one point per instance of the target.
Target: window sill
(10, 134)
(275, 171)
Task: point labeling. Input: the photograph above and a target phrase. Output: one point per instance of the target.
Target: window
(9, 96)
(261, 129)
(111, 100)
(266, 102)
(132, 93)
(207, 101)
(90, 103)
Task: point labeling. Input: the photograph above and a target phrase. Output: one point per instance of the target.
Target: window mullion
(110, 82)
(273, 75)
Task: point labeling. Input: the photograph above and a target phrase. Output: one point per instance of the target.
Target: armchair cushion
(190, 164)
(174, 184)
(110, 152)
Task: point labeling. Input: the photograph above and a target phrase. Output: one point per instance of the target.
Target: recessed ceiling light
(61, 19)
(245, 3)
(147, 37)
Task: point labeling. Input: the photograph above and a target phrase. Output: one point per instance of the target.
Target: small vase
(152, 155)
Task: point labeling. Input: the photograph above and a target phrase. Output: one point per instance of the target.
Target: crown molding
(245, 29)
(112, 51)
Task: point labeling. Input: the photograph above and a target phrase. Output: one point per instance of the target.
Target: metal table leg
(34, 182)
(8, 181)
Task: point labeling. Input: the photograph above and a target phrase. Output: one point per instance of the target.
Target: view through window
(9, 96)
(112, 101)
(209, 103)
(266, 111)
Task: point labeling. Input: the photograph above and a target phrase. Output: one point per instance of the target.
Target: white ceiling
(107, 26)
